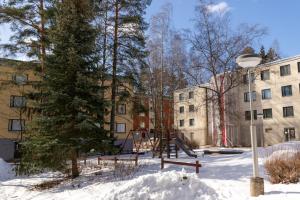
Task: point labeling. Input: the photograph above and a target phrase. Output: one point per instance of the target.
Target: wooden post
(85, 161)
(162, 163)
(136, 161)
(197, 166)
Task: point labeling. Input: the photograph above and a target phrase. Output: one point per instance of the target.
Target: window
(142, 125)
(120, 89)
(181, 97)
(267, 113)
(191, 95)
(120, 127)
(192, 122)
(181, 109)
(181, 123)
(20, 78)
(255, 114)
(16, 125)
(290, 134)
(288, 111)
(247, 115)
(17, 101)
(191, 108)
(266, 94)
(245, 78)
(265, 75)
(121, 109)
(286, 90)
(285, 70)
(298, 66)
(247, 97)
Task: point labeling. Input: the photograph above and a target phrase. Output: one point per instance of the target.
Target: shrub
(283, 167)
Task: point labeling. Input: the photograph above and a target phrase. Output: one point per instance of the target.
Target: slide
(185, 147)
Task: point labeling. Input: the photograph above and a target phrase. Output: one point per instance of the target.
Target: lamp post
(256, 183)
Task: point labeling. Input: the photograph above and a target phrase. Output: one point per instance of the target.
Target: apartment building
(15, 81)
(191, 114)
(275, 90)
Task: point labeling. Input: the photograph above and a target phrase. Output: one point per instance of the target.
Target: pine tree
(263, 55)
(71, 109)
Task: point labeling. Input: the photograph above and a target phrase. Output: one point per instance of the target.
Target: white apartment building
(275, 90)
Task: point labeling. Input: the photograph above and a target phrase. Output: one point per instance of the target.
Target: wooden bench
(197, 164)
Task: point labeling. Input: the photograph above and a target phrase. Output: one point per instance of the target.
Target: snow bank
(6, 170)
(165, 186)
(287, 148)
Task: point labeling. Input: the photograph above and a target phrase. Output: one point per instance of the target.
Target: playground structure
(172, 141)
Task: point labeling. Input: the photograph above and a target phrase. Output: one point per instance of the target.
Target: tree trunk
(75, 171)
(114, 66)
(221, 135)
(43, 36)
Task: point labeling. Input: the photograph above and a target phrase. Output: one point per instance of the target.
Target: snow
(221, 177)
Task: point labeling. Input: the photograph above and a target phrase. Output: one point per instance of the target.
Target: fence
(197, 164)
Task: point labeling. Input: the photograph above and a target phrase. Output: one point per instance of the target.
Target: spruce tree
(263, 55)
(71, 109)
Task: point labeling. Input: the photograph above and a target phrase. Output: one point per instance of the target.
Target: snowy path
(221, 177)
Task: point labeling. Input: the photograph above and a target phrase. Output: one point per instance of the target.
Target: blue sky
(281, 17)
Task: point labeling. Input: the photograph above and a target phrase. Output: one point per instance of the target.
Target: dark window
(265, 75)
(191, 95)
(288, 111)
(120, 127)
(245, 78)
(247, 97)
(181, 123)
(191, 108)
(290, 134)
(17, 101)
(285, 70)
(20, 78)
(247, 115)
(121, 109)
(286, 90)
(192, 122)
(181, 97)
(267, 113)
(266, 94)
(298, 66)
(16, 125)
(255, 114)
(181, 109)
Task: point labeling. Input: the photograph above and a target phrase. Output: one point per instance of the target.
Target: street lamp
(256, 182)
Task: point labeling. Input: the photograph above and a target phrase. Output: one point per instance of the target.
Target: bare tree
(214, 48)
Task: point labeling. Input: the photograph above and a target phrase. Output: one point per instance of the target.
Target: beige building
(191, 114)
(275, 90)
(16, 80)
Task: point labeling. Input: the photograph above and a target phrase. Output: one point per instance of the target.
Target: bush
(283, 167)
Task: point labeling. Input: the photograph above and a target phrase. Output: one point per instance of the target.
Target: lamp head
(248, 60)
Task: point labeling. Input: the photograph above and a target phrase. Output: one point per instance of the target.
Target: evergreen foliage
(71, 110)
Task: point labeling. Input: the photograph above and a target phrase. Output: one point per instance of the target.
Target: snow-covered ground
(221, 177)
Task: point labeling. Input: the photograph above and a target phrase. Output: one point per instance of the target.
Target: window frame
(117, 127)
(118, 111)
(262, 73)
(181, 109)
(10, 125)
(191, 106)
(14, 78)
(193, 122)
(285, 111)
(181, 97)
(247, 96)
(283, 94)
(191, 96)
(266, 115)
(263, 96)
(181, 124)
(282, 70)
(12, 101)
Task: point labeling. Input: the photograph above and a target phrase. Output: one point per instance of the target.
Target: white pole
(253, 133)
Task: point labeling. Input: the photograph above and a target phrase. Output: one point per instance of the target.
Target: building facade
(275, 90)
